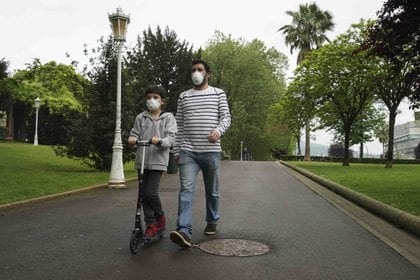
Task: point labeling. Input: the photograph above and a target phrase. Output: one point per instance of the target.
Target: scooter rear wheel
(136, 242)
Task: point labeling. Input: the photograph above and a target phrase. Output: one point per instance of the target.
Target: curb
(396, 216)
(35, 200)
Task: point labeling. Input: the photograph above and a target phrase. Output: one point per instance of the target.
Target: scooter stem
(142, 161)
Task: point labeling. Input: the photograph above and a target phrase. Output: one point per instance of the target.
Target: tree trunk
(298, 145)
(361, 150)
(307, 141)
(390, 152)
(383, 150)
(346, 160)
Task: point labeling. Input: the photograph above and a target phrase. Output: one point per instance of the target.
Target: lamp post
(119, 23)
(242, 144)
(37, 104)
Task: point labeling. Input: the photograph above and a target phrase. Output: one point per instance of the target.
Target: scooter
(138, 239)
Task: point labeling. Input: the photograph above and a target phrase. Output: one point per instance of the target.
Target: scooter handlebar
(144, 142)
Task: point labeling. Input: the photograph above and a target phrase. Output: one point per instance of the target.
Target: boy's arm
(135, 131)
(170, 131)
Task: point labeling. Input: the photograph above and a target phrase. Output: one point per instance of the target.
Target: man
(202, 117)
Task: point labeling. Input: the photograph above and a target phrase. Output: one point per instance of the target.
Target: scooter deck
(155, 238)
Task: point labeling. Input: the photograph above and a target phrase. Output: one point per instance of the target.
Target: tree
(4, 94)
(298, 108)
(307, 32)
(382, 133)
(92, 131)
(160, 58)
(280, 129)
(253, 77)
(4, 64)
(396, 37)
(58, 86)
(342, 81)
(363, 130)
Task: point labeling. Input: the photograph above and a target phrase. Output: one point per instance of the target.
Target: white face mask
(153, 104)
(197, 78)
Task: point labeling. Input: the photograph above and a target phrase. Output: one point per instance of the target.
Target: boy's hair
(156, 89)
(198, 61)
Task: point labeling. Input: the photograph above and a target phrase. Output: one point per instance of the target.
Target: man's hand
(132, 140)
(214, 135)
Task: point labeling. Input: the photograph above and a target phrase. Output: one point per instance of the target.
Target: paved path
(86, 236)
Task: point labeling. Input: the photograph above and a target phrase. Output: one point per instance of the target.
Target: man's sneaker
(180, 239)
(151, 231)
(161, 223)
(210, 229)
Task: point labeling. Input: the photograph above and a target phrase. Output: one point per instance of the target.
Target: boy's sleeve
(180, 124)
(170, 131)
(135, 131)
(224, 115)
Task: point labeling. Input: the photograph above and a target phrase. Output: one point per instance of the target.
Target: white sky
(47, 29)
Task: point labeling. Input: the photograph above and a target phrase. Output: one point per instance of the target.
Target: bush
(3, 132)
(337, 151)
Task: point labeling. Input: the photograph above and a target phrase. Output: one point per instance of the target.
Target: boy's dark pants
(152, 206)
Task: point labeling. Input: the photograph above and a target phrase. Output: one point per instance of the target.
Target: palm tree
(382, 133)
(307, 32)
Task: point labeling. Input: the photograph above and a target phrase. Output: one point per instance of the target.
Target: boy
(159, 127)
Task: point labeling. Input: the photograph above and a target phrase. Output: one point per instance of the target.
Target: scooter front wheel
(136, 242)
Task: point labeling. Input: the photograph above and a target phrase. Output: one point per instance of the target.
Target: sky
(48, 29)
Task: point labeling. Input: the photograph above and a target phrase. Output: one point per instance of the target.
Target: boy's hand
(132, 140)
(213, 136)
(155, 140)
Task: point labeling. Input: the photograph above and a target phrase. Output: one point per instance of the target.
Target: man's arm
(224, 115)
(180, 124)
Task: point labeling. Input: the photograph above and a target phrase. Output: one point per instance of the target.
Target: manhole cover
(234, 247)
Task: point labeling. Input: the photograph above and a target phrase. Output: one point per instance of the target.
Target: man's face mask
(153, 104)
(197, 78)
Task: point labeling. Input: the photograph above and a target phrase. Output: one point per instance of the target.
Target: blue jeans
(190, 163)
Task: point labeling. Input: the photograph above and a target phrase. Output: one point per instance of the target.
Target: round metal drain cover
(234, 247)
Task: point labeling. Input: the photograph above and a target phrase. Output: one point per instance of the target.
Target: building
(406, 138)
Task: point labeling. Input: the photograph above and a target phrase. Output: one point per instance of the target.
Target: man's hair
(156, 89)
(198, 61)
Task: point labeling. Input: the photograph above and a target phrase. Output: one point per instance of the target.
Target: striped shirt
(199, 112)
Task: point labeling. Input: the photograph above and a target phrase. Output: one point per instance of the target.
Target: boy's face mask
(153, 104)
(197, 78)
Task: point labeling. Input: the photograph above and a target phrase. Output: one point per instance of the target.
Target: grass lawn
(398, 186)
(28, 171)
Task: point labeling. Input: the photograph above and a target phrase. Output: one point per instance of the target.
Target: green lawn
(398, 186)
(28, 171)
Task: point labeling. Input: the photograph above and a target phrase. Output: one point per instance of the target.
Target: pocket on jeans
(181, 159)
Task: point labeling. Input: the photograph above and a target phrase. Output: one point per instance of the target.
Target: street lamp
(37, 104)
(119, 23)
(242, 144)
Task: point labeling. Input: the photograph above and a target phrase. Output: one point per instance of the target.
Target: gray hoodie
(145, 127)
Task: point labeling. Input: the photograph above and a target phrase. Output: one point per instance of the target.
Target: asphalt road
(86, 236)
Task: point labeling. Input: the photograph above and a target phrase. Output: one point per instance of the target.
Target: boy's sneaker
(180, 239)
(210, 229)
(151, 231)
(161, 223)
